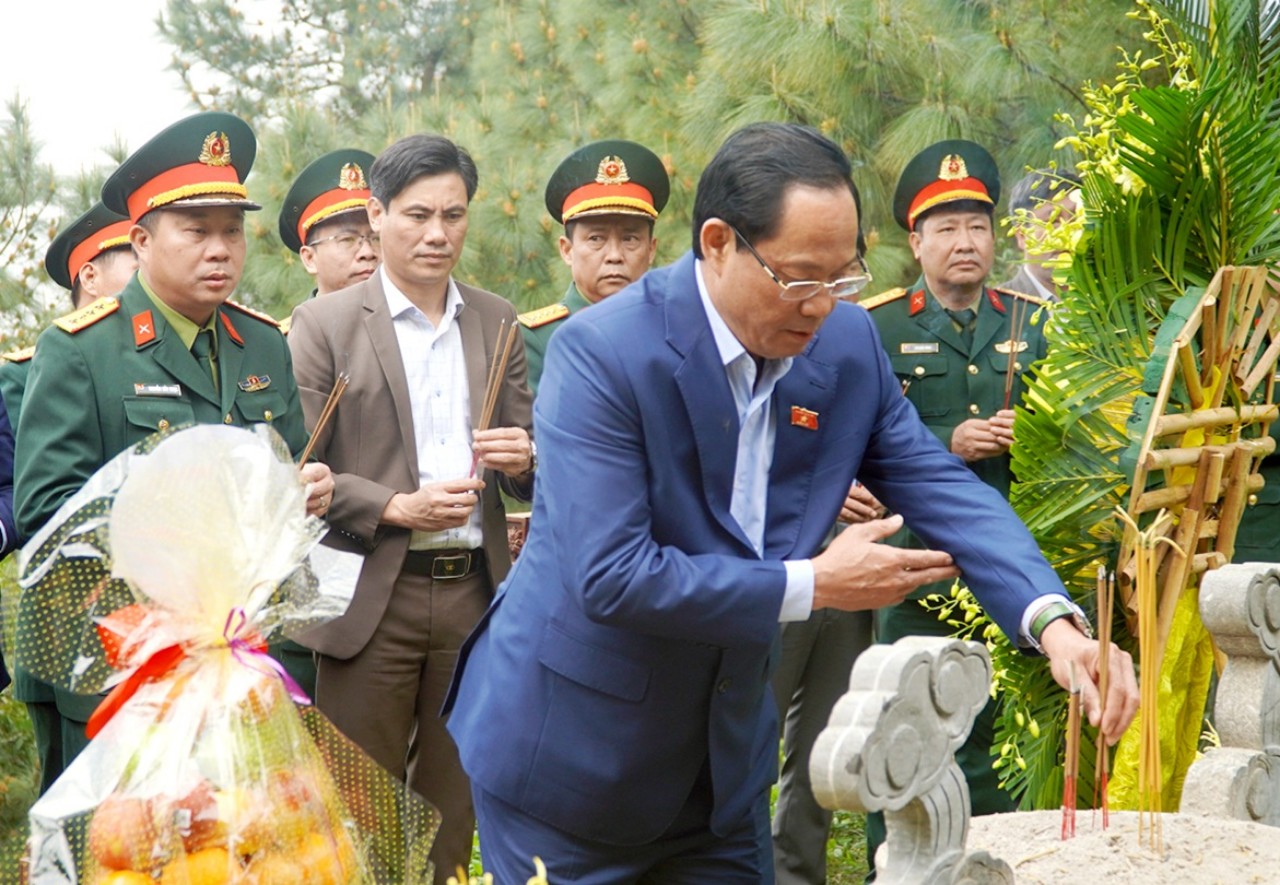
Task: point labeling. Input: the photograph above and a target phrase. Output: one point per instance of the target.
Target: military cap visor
(612, 177)
(202, 160)
(945, 172)
(331, 186)
(96, 231)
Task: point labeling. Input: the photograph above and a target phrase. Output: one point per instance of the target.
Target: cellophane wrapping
(162, 579)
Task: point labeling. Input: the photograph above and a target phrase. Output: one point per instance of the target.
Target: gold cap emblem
(953, 168)
(216, 150)
(612, 171)
(351, 178)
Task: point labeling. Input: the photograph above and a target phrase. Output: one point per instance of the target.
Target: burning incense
(339, 387)
(1016, 320)
(1071, 764)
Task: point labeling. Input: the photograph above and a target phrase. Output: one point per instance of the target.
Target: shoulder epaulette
(87, 315)
(1014, 293)
(21, 355)
(543, 315)
(250, 312)
(883, 298)
(285, 324)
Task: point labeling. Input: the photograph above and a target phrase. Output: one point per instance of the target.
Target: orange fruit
(211, 866)
(276, 869)
(126, 877)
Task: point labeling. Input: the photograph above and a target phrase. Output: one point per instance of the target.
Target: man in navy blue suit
(699, 432)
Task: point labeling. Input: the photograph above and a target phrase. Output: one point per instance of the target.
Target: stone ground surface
(1197, 850)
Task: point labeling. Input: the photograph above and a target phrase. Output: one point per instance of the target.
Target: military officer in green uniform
(91, 257)
(325, 221)
(171, 350)
(607, 195)
(961, 350)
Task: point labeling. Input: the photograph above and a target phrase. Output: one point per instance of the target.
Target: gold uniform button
(226, 419)
(973, 408)
(163, 425)
(919, 370)
(973, 370)
(1017, 367)
(1253, 499)
(267, 415)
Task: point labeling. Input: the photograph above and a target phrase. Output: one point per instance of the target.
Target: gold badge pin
(612, 171)
(953, 168)
(216, 150)
(1011, 346)
(351, 178)
(254, 383)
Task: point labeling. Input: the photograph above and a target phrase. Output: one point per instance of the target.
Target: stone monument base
(1197, 850)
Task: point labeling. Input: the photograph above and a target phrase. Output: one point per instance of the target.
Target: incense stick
(1071, 764)
(1105, 599)
(1016, 320)
(339, 387)
(493, 385)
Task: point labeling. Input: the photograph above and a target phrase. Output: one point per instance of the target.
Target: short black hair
(419, 156)
(748, 177)
(977, 207)
(1039, 186)
(572, 223)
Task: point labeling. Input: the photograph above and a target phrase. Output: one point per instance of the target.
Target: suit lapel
(166, 348)
(230, 357)
(798, 448)
(703, 386)
(386, 349)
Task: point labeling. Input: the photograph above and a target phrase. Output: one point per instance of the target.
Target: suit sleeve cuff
(797, 599)
(1025, 639)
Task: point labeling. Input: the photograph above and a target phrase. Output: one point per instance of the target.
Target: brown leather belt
(443, 565)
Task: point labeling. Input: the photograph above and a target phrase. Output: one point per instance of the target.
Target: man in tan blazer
(416, 480)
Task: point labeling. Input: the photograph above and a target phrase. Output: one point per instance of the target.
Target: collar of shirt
(1041, 290)
(185, 329)
(400, 306)
(740, 366)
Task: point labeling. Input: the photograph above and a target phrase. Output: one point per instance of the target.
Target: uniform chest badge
(254, 383)
(1011, 346)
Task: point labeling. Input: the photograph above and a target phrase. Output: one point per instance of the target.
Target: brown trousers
(388, 697)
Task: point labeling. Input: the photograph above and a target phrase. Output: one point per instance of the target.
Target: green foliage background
(520, 83)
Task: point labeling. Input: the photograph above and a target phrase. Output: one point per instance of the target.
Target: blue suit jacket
(635, 636)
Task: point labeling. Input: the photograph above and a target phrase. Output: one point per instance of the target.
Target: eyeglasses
(349, 242)
(800, 290)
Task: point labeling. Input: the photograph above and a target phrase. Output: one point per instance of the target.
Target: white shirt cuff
(797, 600)
(1024, 629)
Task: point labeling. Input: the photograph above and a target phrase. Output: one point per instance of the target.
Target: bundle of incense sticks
(1105, 597)
(339, 387)
(1016, 320)
(1071, 764)
(1150, 652)
(493, 386)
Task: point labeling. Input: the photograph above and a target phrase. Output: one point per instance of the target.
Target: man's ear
(717, 240)
(308, 256)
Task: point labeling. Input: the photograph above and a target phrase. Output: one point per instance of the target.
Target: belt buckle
(448, 568)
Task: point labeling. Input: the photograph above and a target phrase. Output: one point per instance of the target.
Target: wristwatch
(533, 457)
(1052, 611)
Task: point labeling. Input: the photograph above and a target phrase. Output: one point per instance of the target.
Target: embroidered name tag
(918, 347)
(1006, 346)
(174, 390)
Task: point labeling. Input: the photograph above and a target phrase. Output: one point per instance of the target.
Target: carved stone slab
(890, 746)
(1240, 605)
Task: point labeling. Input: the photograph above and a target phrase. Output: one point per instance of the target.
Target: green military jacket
(109, 375)
(947, 382)
(13, 381)
(539, 325)
(950, 383)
